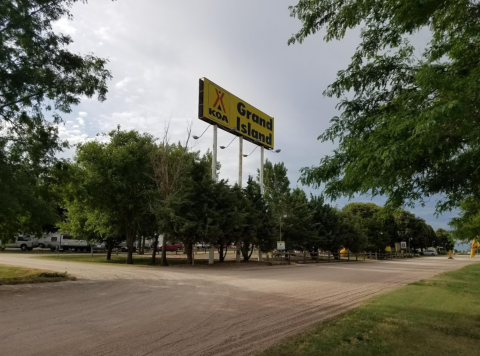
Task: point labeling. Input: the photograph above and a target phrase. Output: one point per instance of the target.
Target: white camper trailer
(65, 242)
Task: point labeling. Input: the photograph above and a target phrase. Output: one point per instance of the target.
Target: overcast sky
(158, 50)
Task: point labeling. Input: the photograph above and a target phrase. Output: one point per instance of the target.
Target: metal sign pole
(214, 177)
(262, 189)
(262, 153)
(240, 160)
(240, 173)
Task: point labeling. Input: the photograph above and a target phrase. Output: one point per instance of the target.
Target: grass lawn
(438, 316)
(145, 260)
(20, 275)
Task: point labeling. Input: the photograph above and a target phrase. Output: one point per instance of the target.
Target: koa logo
(219, 107)
(219, 101)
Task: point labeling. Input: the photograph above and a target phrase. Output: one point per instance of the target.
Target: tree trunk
(109, 249)
(143, 245)
(251, 252)
(130, 240)
(246, 251)
(189, 252)
(221, 256)
(155, 248)
(164, 251)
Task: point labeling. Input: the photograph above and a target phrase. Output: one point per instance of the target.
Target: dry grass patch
(20, 275)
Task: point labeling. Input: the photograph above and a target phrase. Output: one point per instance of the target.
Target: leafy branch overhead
(40, 80)
(408, 127)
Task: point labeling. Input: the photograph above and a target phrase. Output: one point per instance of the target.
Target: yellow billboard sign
(218, 106)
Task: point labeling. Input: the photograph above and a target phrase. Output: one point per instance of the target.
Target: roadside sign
(403, 245)
(234, 115)
(280, 245)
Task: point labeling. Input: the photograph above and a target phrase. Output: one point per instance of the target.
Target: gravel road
(128, 310)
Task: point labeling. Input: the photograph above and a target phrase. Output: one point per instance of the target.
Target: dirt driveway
(123, 310)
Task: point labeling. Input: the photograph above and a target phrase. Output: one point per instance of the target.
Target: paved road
(124, 310)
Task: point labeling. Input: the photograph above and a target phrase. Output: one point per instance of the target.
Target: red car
(172, 246)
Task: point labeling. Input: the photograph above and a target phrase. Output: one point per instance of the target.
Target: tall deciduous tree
(258, 225)
(277, 192)
(409, 124)
(40, 80)
(81, 219)
(172, 165)
(297, 227)
(374, 224)
(185, 213)
(118, 180)
(444, 239)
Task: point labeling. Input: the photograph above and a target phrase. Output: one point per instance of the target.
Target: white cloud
(122, 83)
(82, 114)
(103, 33)
(65, 26)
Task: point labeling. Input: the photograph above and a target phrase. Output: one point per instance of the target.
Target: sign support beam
(240, 173)
(262, 190)
(211, 255)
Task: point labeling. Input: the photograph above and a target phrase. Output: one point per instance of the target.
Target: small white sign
(403, 245)
(280, 245)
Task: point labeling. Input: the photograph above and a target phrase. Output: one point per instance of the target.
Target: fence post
(356, 257)
(348, 256)
(328, 256)
(376, 256)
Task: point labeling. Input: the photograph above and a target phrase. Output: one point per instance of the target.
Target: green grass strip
(438, 316)
(20, 275)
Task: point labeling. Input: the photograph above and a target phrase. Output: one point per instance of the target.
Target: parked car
(430, 253)
(23, 242)
(201, 246)
(171, 246)
(122, 246)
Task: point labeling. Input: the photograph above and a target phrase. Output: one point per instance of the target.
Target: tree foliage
(467, 225)
(374, 223)
(408, 127)
(117, 178)
(40, 80)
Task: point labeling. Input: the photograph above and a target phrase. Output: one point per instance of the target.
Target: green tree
(445, 239)
(118, 181)
(351, 232)
(325, 221)
(185, 213)
(277, 192)
(467, 225)
(408, 127)
(228, 219)
(413, 230)
(298, 230)
(258, 226)
(80, 218)
(173, 169)
(374, 223)
(40, 80)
